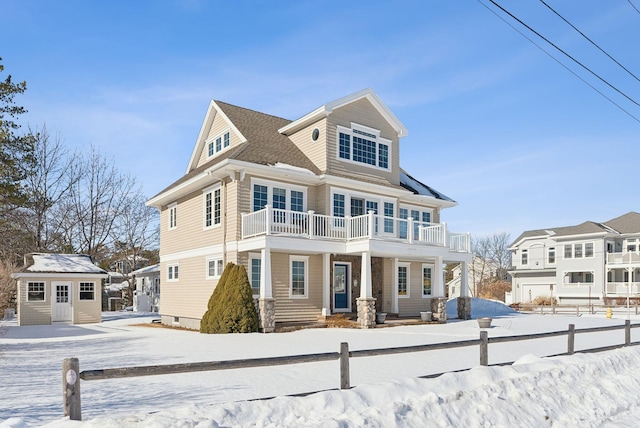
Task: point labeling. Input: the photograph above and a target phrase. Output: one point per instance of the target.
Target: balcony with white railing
(623, 288)
(624, 258)
(272, 221)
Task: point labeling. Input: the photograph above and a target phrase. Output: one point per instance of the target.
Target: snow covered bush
(231, 308)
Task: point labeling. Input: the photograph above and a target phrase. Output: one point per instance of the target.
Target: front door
(61, 302)
(341, 287)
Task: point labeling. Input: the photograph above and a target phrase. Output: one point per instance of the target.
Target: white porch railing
(622, 288)
(271, 221)
(623, 258)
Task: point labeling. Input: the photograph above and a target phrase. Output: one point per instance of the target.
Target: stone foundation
(439, 309)
(464, 308)
(267, 315)
(366, 312)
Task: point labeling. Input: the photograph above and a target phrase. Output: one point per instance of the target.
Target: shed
(59, 288)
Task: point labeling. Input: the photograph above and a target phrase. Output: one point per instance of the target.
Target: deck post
(571, 339)
(345, 382)
(71, 389)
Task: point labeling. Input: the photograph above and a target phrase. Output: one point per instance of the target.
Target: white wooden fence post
(71, 389)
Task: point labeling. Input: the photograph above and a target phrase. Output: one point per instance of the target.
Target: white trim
(254, 256)
(305, 260)
(173, 267)
(209, 141)
(376, 139)
(408, 266)
(211, 190)
(173, 216)
(95, 291)
(432, 267)
(44, 291)
(218, 266)
(270, 185)
(53, 275)
(326, 109)
(196, 252)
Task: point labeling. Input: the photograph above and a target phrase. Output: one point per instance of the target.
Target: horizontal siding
(218, 126)
(415, 303)
(187, 297)
(288, 309)
(316, 151)
(33, 313)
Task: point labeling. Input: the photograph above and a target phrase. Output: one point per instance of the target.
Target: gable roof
(627, 223)
(326, 109)
(60, 263)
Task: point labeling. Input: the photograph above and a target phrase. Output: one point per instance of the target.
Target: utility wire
(633, 6)
(590, 41)
(560, 63)
(565, 53)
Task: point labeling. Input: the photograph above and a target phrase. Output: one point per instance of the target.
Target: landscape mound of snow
(480, 308)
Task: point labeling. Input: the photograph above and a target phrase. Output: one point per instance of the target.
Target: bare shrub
(545, 301)
(8, 289)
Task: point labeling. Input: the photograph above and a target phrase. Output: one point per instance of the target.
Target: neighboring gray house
(146, 282)
(59, 288)
(591, 262)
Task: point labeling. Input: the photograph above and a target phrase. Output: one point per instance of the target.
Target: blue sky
(494, 122)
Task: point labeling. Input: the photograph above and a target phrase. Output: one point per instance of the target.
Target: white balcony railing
(626, 257)
(272, 221)
(622, 288)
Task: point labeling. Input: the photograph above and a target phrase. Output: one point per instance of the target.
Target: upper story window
(578, 251)
(281, 196)
(218, 143)
(172, 272)
(525, 257)
(363, 145)
(173, 216)
(588, 249)
(551, 255)
(568, 251)
(420, 217)
(212, 207)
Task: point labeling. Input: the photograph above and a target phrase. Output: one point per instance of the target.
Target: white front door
(61, 310)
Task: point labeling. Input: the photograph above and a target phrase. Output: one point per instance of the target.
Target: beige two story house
(317, 209)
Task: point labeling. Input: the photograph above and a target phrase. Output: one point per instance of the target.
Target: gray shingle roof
(627, 223)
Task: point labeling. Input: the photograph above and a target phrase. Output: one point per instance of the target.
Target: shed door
(61, 310)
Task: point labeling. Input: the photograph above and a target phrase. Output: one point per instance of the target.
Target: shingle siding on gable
(362, 113)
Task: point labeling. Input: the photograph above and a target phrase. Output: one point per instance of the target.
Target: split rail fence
(72, 375)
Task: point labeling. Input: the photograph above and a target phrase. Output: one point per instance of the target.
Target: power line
(565, 53)
(590, 41)
(633, 6)
(560, 63)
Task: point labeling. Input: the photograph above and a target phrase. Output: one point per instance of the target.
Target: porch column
(394, 292)
(266, 303)
(366, 302)
(439, 302)
(464, 301)
(326, 284)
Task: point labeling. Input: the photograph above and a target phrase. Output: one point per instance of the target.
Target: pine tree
(231, 308)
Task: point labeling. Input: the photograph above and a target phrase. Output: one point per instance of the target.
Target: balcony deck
(271, 221)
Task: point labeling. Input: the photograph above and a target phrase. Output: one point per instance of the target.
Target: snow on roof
(419, 188)
(61, 263)
(292, 168)
(146, 270)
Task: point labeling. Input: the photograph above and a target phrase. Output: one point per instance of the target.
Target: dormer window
(363, 145)
(218, 144)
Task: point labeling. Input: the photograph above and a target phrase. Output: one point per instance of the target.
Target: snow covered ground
(583, 390)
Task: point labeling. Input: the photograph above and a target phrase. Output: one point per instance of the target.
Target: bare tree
(491, 259)
(96, 200)
(8, 287)
(48, 184)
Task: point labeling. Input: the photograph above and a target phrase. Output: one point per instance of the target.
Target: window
(551, 256)
(218, 143)
(173, 216)
(35, 291)
(172, 272)
(389, 211)
(338, 205)
(403, 280)
(357, 207)
(298, 285)
(568, 251)
(255, 264)
(212, 208)
(87, 291)
(577, 251)
(426, 280)
(279, 196)
(525, 257)
(588, 249)
(214, 267)
(363, 145)
(421, 218)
